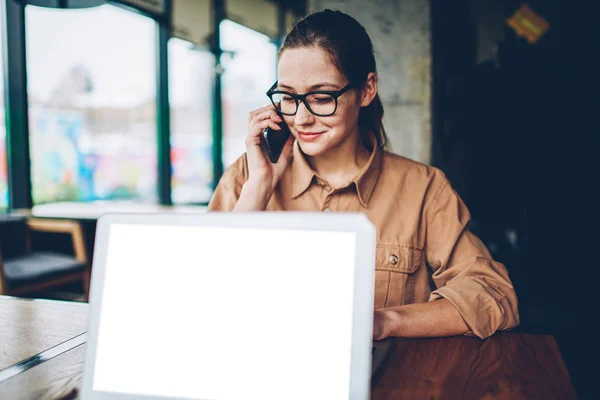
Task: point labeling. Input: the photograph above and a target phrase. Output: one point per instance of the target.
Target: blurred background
(90, 73)
(145, 102)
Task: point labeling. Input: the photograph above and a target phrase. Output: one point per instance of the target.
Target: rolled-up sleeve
(464, 272)
(229, 187)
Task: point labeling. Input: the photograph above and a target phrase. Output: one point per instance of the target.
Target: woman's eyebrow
(311, 88)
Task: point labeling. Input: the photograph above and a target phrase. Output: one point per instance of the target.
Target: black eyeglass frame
(302, 98)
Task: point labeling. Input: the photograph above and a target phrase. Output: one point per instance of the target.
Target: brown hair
(349, 46)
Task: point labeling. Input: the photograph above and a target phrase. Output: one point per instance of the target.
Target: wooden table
(505, 366)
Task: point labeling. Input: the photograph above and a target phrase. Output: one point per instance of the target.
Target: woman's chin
(311, 149)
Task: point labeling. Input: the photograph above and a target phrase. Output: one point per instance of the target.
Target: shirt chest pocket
(395, 267)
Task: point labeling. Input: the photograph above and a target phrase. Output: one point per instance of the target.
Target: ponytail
(370, 120)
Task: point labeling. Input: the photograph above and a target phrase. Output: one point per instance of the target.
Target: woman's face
(303, 70)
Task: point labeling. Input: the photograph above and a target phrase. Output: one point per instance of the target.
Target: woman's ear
(369, 90)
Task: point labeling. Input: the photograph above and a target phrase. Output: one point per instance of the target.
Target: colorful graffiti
(69, 163)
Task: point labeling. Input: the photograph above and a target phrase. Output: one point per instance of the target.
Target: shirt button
(393, 259)
(327, 209)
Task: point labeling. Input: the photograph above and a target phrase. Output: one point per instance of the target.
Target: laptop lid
(231, 306)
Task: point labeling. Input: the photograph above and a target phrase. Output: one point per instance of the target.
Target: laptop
(231, 306)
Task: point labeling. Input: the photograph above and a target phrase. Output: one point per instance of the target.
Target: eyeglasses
(322, 103)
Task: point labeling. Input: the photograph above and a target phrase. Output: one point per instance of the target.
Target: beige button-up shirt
(424, 250)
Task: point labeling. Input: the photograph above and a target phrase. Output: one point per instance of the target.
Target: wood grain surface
(53, 380)
(505, 366)
(28, 327)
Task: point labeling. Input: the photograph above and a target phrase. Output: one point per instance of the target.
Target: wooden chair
(23, 271)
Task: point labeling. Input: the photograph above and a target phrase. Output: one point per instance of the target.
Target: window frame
(17, 108)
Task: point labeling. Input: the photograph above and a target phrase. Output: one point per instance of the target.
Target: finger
(268, 123)
(258, 129)
(262, 109)
(266, 114)
(275, 117)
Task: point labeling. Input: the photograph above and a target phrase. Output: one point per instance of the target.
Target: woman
(433, 277)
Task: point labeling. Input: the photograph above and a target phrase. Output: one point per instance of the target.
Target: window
(3, 164)
(190, 96)
(249, 73)
(92, 104)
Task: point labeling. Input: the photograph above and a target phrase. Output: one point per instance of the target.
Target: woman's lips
(309, 136)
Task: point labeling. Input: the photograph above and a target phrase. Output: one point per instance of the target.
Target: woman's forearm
(433, 319)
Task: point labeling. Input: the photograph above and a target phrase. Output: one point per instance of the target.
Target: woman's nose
(303, 116)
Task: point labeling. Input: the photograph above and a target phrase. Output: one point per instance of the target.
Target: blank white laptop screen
(226, 313)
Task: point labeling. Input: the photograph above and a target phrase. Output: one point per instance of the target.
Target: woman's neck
(342, 163)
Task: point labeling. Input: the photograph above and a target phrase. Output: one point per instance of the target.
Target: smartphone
(274, 141)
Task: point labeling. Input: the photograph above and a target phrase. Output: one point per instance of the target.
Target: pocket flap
(397, 258)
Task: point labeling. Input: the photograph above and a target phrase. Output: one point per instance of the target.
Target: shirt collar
(364, 181)
(367, 177)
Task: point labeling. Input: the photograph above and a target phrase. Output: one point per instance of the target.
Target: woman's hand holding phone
(263, 175)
